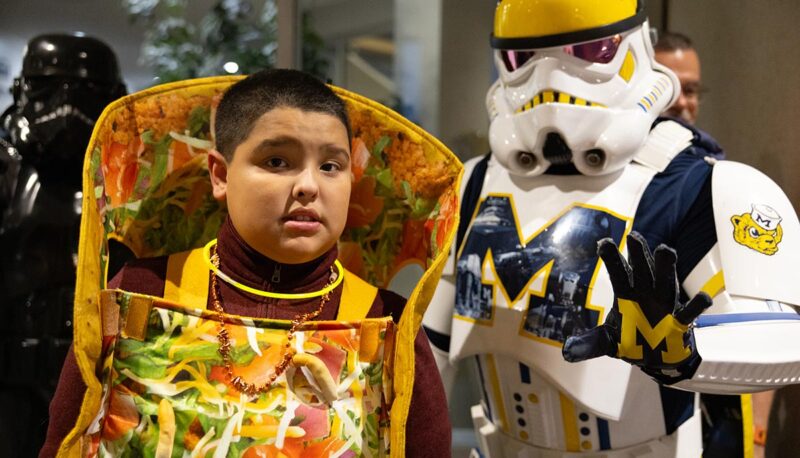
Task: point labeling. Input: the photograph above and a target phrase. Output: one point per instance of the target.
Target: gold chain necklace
(242, 386)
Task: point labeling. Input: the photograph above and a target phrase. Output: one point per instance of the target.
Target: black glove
(648, 325)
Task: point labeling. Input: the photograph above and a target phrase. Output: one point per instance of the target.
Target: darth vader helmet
(65, 82)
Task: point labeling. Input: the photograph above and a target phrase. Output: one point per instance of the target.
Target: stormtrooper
(586, 343)
(65, 82)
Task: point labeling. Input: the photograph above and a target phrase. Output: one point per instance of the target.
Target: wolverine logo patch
(759, 230)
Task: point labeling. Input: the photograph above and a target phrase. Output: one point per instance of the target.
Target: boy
(282, 166)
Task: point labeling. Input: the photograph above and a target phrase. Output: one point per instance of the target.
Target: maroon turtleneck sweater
(428, 429)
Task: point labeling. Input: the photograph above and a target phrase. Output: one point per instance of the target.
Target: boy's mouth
(302, 221)
(301, 218)
(302, 215)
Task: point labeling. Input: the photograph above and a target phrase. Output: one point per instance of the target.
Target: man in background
(677, 52)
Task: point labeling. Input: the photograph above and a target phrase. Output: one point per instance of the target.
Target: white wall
(467, 71)
(443, 68)
(418, 44)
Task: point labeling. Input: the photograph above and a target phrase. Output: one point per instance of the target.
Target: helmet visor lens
(515, 59)
(599, 51)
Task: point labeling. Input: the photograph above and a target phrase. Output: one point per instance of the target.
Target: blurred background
(431, 61)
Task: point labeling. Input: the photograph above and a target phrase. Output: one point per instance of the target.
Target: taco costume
(147, 352)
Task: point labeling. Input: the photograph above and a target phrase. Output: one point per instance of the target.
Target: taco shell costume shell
(145, 184)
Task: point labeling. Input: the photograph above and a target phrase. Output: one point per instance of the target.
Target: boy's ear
(218, 172)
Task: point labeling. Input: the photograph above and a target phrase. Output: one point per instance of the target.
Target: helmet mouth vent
(556, 150)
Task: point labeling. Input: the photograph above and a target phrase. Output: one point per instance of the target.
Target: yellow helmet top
(528, 24)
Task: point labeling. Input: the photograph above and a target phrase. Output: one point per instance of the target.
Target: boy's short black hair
(250, 98)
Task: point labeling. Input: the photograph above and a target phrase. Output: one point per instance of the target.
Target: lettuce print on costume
(167, 394)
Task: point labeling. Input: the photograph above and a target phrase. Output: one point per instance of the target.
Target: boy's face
(288, 185)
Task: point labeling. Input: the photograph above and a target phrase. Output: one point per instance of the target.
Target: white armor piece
(748, 338)
(601, 106)
(543, 406)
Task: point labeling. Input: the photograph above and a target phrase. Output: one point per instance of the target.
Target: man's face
(288, 185)
(686, 65)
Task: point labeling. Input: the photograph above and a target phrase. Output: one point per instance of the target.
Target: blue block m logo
(565, 250)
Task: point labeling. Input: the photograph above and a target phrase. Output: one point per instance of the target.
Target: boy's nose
(306, 186)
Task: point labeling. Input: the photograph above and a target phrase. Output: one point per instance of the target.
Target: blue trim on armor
(524, 374)
(603, 435)
(714, 320)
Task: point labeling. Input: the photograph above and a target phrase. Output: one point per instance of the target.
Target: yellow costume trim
(137, 317)
(497, 391)
(570, 423)
(359, 296)
(187, 278)
(747, 424)
(258, 292)
(187, 283)
(628, 66)
(714, 285)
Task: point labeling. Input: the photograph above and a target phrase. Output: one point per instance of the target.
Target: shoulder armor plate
(758, 234)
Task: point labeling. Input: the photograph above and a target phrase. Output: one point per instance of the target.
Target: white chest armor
(528, 275)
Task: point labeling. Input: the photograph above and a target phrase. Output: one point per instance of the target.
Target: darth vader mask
(66, 82)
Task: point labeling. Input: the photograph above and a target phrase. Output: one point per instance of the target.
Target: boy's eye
(330, 167)
(276, 162)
